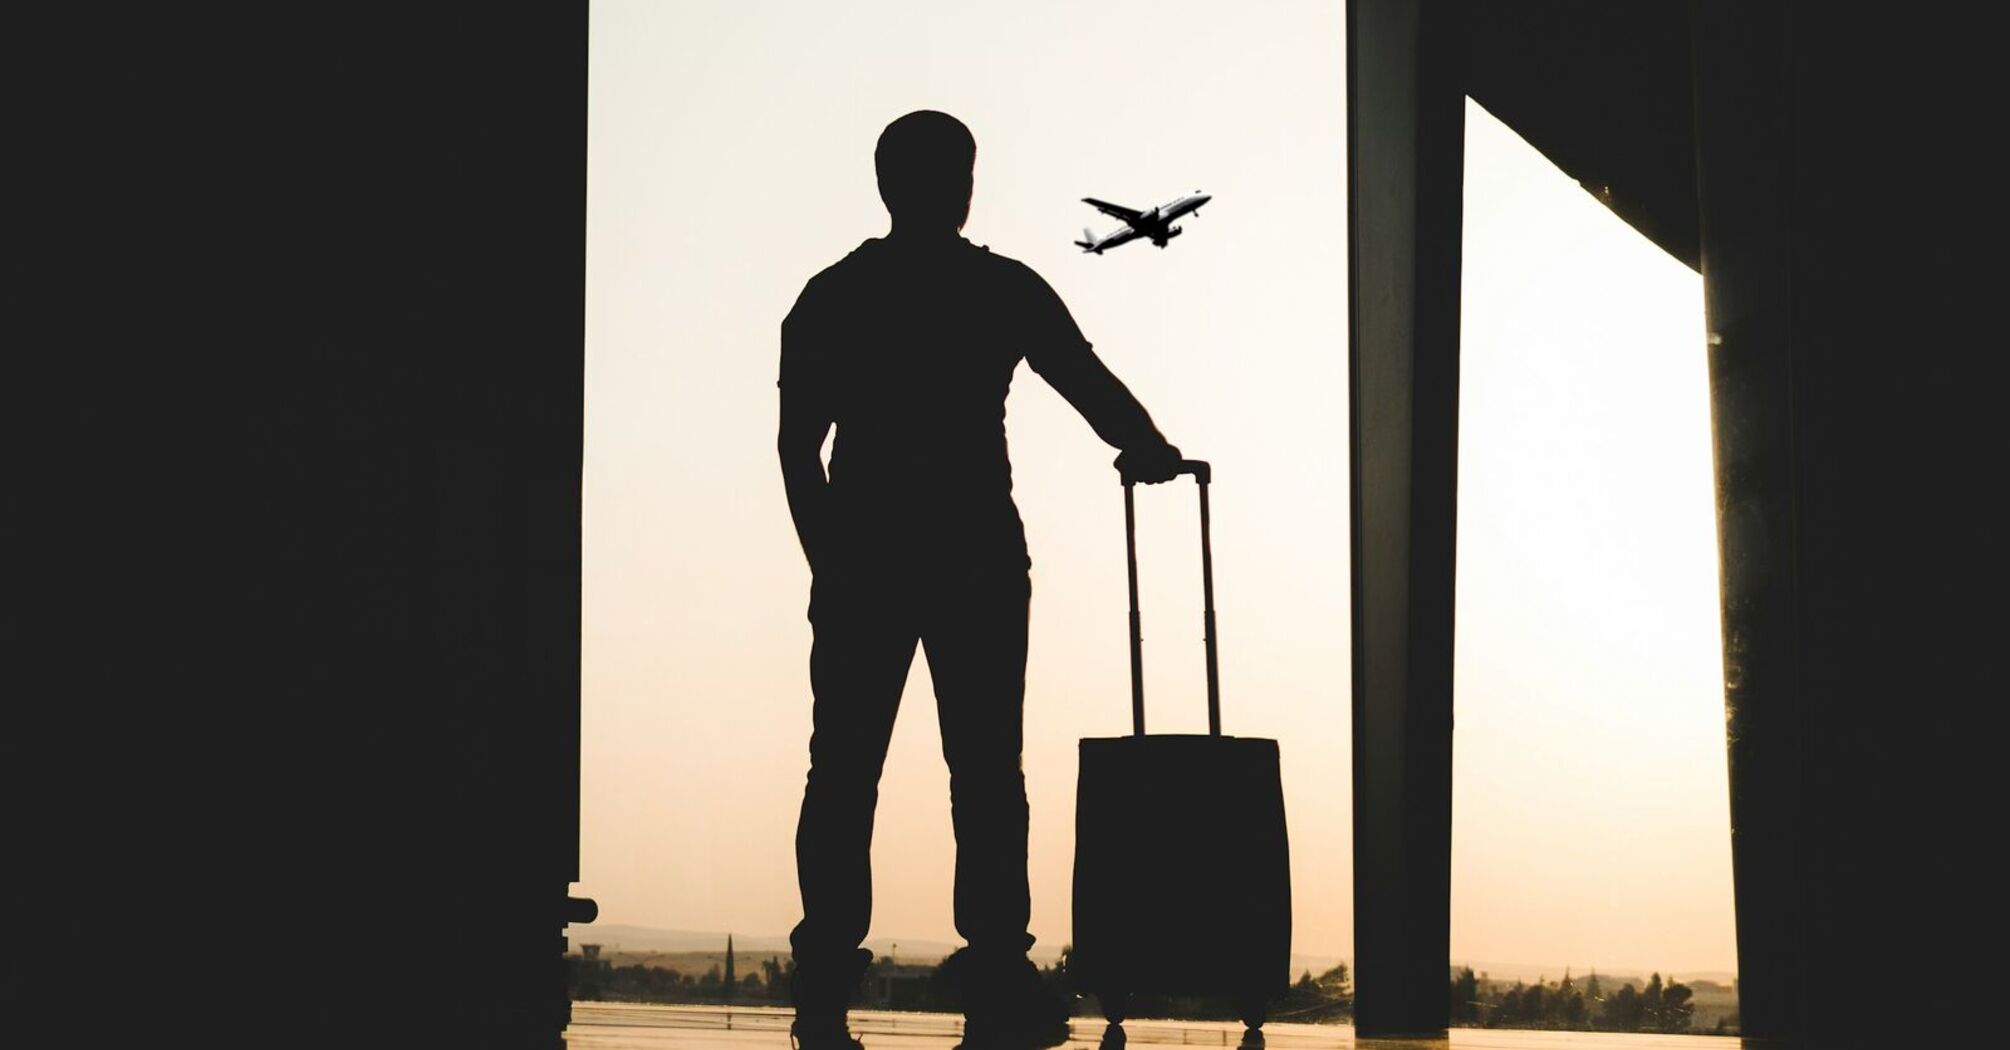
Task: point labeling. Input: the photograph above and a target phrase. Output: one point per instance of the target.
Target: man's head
(924, 161)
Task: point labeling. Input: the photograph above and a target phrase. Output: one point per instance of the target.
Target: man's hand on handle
(1150, 465)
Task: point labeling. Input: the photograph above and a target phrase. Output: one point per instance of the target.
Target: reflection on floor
(638, 1026)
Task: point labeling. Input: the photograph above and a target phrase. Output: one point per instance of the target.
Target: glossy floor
(633, 1026)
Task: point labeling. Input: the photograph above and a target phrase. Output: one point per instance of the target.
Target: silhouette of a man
(907, 346)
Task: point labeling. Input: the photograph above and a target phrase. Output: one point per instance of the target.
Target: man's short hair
(924, 161)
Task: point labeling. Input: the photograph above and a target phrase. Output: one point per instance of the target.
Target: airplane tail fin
(1088, 241)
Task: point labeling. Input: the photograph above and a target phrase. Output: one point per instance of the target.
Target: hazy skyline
(730, 158)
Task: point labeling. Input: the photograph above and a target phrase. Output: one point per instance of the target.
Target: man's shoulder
(827, 284)
(1011, 273)
(851, 262)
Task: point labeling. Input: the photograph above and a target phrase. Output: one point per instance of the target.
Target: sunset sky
(730, 157)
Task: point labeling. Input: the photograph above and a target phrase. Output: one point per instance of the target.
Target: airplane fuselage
(1166, 214)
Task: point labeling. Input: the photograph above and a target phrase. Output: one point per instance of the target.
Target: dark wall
(305, 334)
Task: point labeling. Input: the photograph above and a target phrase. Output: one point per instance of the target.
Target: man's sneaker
(821, 987)
(1006, 1006)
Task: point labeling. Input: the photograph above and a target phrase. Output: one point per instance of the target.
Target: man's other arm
(806, 419)
(1058, 351)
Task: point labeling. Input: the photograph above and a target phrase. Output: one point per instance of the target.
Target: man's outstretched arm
(1063, 357)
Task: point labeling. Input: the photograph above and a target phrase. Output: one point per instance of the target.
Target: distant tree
(1661, 1005)
(1507, 1014)
(1678, 1012)
(1337, 983)
(1622, 1011)
(1465, 989)
(1059, 981)
(1302, 995)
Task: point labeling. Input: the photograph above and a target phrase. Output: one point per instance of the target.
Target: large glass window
(1590, 809)
(730, 158)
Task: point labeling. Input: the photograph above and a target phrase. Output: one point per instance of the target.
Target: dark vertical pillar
(1846, 259)
(1742, 179)
(1406, 129)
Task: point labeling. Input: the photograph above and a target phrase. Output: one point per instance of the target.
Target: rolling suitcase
(1182, 865)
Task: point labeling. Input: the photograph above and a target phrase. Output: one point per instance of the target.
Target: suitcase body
(1182, 861)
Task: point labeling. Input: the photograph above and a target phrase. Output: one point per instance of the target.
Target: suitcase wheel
(1253, 1009)
(1115, 1004)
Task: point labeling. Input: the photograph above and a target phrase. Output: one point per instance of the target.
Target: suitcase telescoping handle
(1202, 474)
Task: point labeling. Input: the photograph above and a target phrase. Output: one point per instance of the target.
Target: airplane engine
(1174, 232)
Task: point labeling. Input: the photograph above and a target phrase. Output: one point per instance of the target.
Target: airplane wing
(1115, 211)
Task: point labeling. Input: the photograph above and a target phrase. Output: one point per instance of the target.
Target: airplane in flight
(1155, 225)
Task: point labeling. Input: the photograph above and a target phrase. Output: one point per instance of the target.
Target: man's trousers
(971, 623)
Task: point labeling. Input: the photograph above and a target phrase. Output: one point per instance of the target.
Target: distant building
(899, 986)
(589, 975)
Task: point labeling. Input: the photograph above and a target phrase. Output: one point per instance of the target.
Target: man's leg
(858, 666)
(976, 645)
(975, 639)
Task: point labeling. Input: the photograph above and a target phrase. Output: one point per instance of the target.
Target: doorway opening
(1591, 816)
